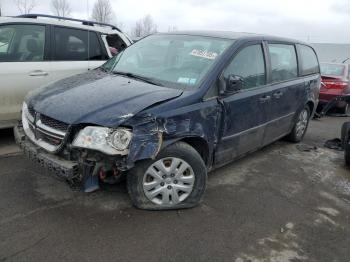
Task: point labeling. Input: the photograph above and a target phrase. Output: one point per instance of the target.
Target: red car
(335, 82)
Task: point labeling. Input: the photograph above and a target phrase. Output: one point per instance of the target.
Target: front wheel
(300, 127)
(175, 179)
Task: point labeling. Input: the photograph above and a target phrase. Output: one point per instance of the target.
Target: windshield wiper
(138, 77)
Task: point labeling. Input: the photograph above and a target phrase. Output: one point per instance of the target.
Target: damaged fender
(151, 133)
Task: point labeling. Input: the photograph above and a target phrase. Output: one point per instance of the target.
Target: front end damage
(84, 168)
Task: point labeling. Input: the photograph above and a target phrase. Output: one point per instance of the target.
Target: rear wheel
(300, 127)
(175, 179)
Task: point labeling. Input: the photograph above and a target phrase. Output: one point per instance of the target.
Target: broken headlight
(103, 139)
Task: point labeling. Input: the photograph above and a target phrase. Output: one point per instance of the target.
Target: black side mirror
(233, 84)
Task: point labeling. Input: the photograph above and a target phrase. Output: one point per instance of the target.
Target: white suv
(39, 49)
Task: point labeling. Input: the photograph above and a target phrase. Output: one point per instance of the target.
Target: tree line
(102, 12)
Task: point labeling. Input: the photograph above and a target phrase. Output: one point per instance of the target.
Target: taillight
(335, 84)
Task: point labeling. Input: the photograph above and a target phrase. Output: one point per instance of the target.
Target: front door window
(22, 43)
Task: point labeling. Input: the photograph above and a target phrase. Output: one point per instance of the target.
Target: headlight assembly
(120, 139)
(103, 139)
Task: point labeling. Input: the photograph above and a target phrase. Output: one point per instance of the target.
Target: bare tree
(172, 28)
(144, 26)
(102, 11)
(0, 9)
(25, 6)
(137, 30)
(60, 7)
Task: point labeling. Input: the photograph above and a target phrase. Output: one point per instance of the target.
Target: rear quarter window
(309, 62)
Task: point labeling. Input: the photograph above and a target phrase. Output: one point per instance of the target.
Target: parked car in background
(38, 49)
(168, 109)
(335, 82)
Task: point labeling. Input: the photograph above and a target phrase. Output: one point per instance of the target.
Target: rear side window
(284, 64)
(249, 64)
(309, 62)
(77, 45)
(70, 44)
(22, 43)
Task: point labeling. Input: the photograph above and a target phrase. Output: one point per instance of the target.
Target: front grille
(55, 141)
(55, 124)
(46, 131)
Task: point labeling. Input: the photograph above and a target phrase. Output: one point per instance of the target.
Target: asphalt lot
(278, 204)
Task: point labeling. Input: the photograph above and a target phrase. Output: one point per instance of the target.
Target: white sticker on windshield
(183, 80)
(193, 81)
(187, 80)
(204, 54)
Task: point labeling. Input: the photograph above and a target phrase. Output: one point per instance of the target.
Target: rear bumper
(325, 98)
(58, 166)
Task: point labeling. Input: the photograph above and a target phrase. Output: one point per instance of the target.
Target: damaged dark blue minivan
(170, 108)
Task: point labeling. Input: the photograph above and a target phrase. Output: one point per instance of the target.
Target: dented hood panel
(97, 98)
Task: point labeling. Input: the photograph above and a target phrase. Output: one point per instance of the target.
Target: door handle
(264, 99)
(278, 95)
(38, 73)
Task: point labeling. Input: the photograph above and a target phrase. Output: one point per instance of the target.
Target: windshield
(332, 69)
(179, 61)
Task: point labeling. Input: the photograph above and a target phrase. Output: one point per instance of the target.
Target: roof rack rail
(84, 22)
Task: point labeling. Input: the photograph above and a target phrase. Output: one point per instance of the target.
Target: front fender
(151, 134)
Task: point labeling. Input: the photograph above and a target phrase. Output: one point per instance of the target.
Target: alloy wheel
(168, 181)
(302, 123)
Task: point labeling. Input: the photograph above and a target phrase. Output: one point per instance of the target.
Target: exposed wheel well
(200, 145)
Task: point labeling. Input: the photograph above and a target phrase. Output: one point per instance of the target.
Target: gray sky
(316, 20)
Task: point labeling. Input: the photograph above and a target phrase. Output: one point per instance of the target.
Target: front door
(244, 116)
(23, 67)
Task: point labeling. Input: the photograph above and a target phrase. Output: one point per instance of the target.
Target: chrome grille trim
(50, 129)
(53, 123)
(39, 133)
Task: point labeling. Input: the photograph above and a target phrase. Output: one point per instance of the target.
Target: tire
(345, 110)
(345, 137)
(302, 122)
(347, 154)
(155, 185)
(345, 132)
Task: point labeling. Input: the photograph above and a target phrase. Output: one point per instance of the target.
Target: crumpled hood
(97, 98)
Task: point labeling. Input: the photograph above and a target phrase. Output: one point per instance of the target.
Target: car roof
(236, 35)
(66, 23)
